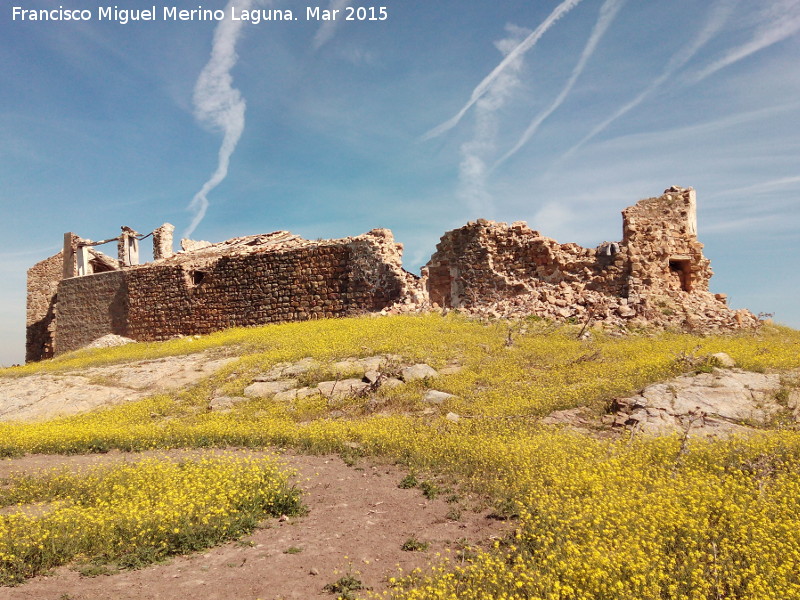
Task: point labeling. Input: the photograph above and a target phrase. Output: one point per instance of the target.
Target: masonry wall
(237, 291)
(484, 261)
(160, 301)
(659, 252)
(90, 307)
(656, 274)
(43, 278)
(660, 236)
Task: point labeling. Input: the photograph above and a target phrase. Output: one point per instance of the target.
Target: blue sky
(557, 113)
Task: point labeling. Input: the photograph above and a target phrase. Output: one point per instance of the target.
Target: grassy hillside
(595, 518)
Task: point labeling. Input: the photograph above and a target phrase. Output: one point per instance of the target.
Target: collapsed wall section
(485, 261)
(656, 274)
(376, 273)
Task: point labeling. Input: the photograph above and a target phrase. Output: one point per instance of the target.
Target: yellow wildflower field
(593, 518)
(135, 513)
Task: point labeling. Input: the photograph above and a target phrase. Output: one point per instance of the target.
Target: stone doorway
(681, 269)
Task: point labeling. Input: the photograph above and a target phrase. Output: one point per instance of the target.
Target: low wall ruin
(246, 281)
(656, 275)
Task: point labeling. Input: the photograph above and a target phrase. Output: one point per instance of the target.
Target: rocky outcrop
(354, 378)
(721, 402)
(45, 396)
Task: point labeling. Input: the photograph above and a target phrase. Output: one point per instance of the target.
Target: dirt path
(358, 520)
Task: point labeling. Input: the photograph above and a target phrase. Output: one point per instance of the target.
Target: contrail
(758, 187)
(715, 22)
(782, 25)
(219, 105)
(608, 12)
(526, 44)
(328, 28)
(472, 169)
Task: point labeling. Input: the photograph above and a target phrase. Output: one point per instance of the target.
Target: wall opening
(99, 266)
(440, 283)
(198, 277)
(681, 269)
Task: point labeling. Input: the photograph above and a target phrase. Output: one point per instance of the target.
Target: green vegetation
(429, 490)
(407, 482)
(412, 544)
(345, 587)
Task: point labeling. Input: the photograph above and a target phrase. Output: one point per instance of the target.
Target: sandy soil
(358, 520)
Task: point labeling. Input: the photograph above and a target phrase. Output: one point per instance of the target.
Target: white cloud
(705, 130)
(328, 28)
(779, 20)
(474, 153)
(764, 186)
(749, 223)
(717, 18)
(553, 218)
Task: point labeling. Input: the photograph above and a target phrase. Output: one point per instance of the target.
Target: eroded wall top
(656, 274)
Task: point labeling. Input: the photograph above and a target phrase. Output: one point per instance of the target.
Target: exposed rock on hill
(721, 402)
(44, 396)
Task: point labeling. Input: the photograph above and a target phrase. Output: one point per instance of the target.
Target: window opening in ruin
(681, 268)
(198, 277)
(101, 267)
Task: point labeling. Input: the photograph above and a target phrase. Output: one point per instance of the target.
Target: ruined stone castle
(656, 274)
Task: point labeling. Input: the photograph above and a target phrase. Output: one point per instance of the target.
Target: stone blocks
(242, 282)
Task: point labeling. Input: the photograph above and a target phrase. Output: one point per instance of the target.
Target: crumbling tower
(663, 254)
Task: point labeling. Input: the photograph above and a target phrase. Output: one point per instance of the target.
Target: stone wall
(376, 273)
(43, 283)
(486, 261)
(254, 289)
(235, 285)
(656, 274)
(660, 239)
(90, 307)
(43, 279)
